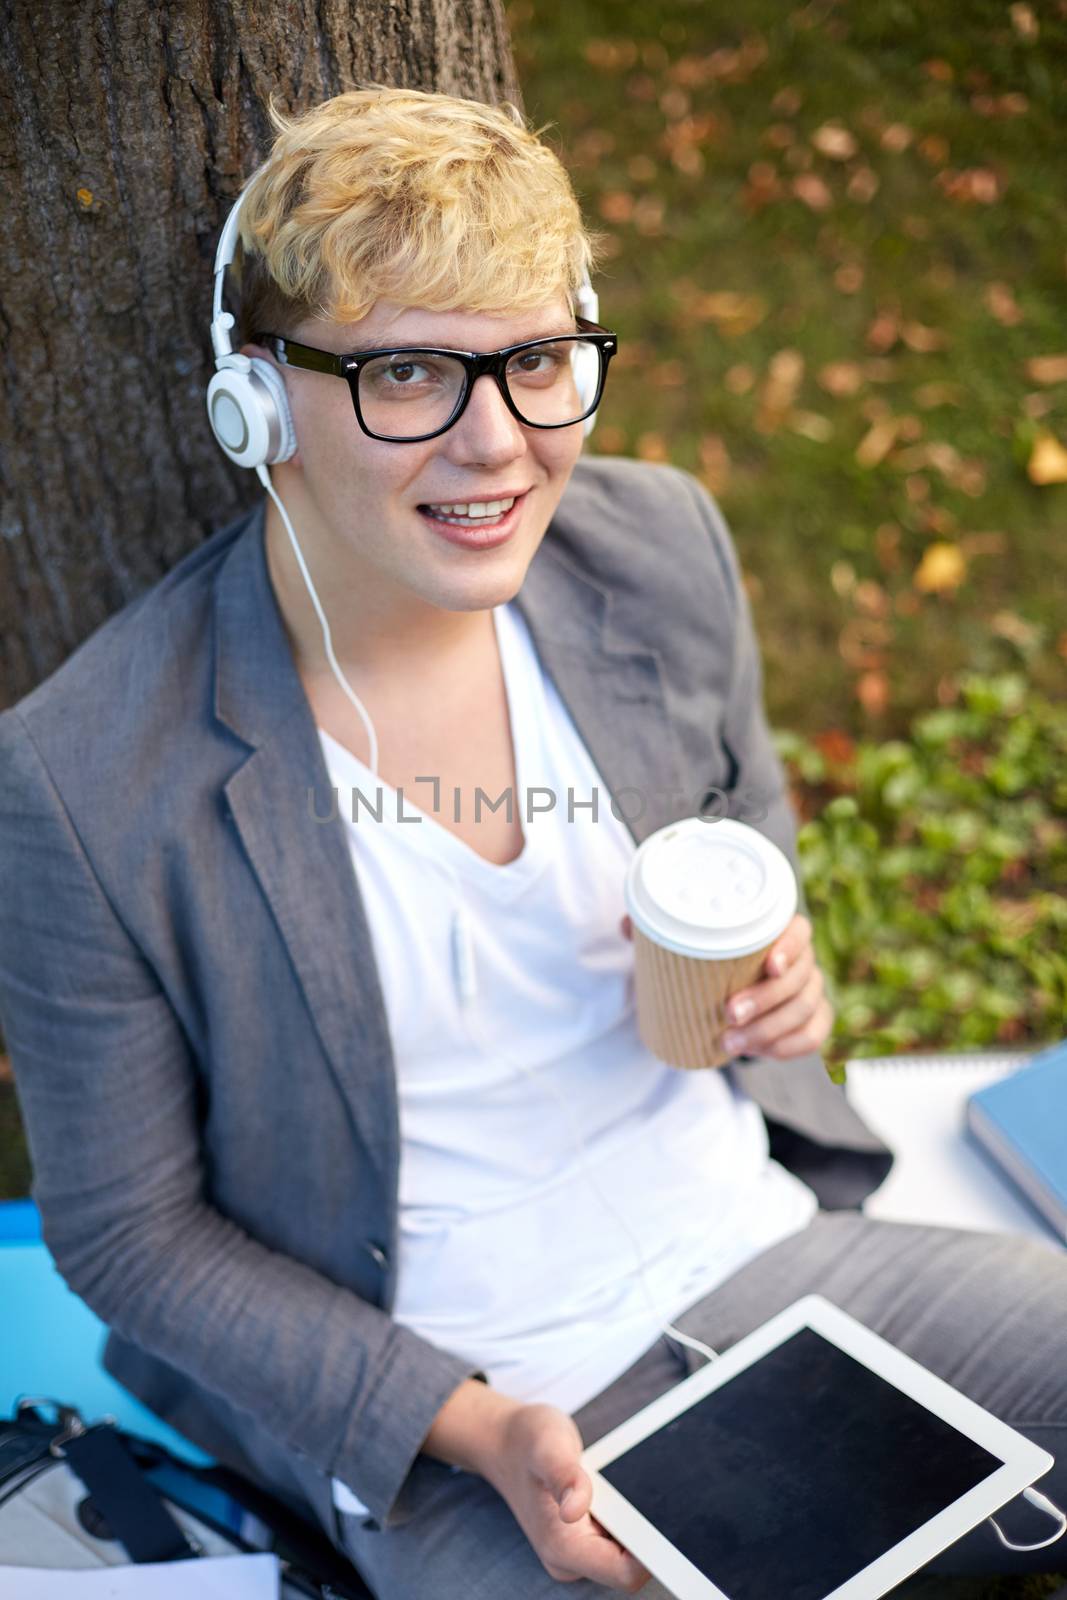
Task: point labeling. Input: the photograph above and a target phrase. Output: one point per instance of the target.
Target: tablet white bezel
(1022, 1461)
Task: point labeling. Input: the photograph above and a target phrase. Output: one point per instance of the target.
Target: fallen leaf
(877, 442)
(595, 143)
(883, 332)
(1048, 461)
(835, 141)
(863, 185)
(943, 567)
(872, 692)
(1038, 405)
(811, 425)
(1008, 624)
(739, 379)
(616, 205)
(863, 641)
(688, 159)
(843, 578)
(939, 520)
(918, 337)
(648, 215)
(668, 374)
(849, 278)
(887, 546)
(897, 137)
(812, 191)
(972, 185)
(641, 86)
(971, 479)
(610, 55)
(934, 149)
(838, 747)
(1000, 105)
(871, 598)
(940, 71)
(944, 457)
(1047, 369)
(732, 313)
(652, 447)
(610, 440)
(784, 373)
(1024, 22)
(787, 102)
(674, 103)
(840, 378)
(930, 395)
(983, 544)
(763, 175)
(715, 462)
(641, 168)
(779, 135)
(1001, 303)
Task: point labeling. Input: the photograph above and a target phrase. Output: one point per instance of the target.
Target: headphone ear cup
(248, 410)
(586, 364)
(586, 373)
(282, 431)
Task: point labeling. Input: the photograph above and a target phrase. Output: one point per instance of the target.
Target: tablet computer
(812, 1461)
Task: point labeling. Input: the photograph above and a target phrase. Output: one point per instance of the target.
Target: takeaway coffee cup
(707, 899)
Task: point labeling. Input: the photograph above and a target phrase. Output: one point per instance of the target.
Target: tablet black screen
(797, 1473)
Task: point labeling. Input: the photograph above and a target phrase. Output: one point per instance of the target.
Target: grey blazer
(190, 999)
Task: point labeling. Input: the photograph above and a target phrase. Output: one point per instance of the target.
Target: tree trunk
(126, 130)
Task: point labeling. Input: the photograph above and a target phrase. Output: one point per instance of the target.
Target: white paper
(210, 1578)
(917, 1105)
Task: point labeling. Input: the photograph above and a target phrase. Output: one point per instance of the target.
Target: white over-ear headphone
(247, 405)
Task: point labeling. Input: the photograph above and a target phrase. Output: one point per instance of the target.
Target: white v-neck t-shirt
(541, 1144)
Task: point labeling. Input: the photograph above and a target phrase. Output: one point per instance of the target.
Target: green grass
(685, 126)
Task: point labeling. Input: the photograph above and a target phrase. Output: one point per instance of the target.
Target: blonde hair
(396, 194)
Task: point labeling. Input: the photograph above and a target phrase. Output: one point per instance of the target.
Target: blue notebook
(1021, 1121)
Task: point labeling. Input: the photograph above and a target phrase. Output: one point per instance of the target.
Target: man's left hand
(785, 1012)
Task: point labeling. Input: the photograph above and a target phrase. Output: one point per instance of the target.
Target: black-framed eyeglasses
(415, 392)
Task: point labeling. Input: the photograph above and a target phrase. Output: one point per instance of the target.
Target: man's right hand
(531, 1456)
(536, 1469)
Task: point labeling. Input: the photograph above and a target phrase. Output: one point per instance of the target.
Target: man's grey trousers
(988, 1313)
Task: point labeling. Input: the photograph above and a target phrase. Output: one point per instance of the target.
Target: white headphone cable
(264, 477)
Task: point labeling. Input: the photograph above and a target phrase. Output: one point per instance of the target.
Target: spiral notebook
(918, 1105)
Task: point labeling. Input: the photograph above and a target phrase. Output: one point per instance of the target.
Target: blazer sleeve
(108, 1091)
(759, 779)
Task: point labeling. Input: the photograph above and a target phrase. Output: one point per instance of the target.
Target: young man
(331, 1191)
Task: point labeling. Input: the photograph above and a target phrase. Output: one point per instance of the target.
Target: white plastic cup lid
(712, 889)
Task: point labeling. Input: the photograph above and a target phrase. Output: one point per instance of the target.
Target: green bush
(935, 870)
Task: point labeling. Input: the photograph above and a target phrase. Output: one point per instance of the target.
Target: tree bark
(126, 130)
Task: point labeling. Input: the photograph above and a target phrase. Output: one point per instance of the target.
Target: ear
(261, 353)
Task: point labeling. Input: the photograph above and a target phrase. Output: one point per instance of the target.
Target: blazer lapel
(302, 864)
